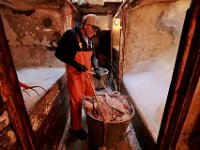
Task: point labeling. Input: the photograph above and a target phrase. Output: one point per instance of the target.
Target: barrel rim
(131, 116)
(106, 71)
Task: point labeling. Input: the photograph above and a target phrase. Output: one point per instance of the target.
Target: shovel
(104, 118)
(93, 89)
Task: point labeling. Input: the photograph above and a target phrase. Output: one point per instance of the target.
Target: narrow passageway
(150, 49)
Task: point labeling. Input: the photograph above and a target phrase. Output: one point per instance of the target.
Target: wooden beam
(11, 95)
(184, 80)
(108, 8)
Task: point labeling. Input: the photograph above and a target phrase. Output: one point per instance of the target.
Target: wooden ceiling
(108, 8)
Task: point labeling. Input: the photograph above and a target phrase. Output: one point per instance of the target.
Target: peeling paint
(11, 136)
(31, 38)
(139, 42)
(36, 123)
(4, 120)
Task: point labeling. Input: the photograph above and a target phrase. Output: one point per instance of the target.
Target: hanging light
(116, 21)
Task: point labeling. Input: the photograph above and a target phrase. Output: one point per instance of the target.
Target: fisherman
(76, 49)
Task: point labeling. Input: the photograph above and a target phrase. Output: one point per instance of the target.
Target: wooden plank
(191, 73)
(108, 8)
(45, 115)
(190, 133)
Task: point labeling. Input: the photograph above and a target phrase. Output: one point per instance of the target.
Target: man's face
(90, 30)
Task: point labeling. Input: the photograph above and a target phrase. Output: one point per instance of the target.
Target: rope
(121, 51)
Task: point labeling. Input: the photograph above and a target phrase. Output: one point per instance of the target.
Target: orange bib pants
(78, 86)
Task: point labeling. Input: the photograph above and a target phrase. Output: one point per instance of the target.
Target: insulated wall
(152, 38)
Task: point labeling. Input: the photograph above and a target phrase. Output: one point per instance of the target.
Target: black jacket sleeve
(67, 48)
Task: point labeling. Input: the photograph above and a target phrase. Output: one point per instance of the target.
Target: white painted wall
(152, 40)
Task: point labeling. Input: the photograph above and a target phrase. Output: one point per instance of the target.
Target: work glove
(81, 68)
(97, 74)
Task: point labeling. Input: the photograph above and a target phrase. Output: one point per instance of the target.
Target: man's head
(91, 24)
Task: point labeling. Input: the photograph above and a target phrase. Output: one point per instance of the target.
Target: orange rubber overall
(78, 86)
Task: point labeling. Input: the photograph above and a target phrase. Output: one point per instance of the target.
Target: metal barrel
(106, 134)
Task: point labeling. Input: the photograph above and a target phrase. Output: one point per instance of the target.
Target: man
(76, 49)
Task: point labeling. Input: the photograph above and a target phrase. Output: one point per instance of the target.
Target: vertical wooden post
(11, 95)
(184, 80)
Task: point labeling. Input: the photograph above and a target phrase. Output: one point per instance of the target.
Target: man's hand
(97, 75)
(81, 68)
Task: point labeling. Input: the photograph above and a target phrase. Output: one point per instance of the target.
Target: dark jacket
(68, 46)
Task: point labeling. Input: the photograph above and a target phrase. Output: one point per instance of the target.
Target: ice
(109, 108)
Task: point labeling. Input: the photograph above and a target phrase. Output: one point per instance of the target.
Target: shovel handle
(104, 86)
(93, 89)
(101, 82)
